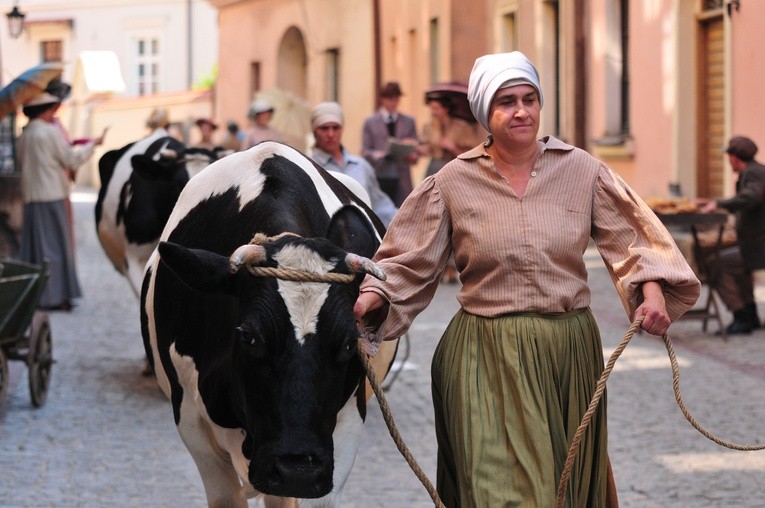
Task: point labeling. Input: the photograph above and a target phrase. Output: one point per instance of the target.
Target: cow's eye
(245, 335)
(253, 341)
(348, 349)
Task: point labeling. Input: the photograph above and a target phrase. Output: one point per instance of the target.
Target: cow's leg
(137, 257)
(221, 482)
(222, 485)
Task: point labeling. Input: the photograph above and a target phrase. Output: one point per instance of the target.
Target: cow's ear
(351, 230)
(199, 269)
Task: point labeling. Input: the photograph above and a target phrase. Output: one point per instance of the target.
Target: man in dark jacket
(736, 264)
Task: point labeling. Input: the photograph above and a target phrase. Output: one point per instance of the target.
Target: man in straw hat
(259, 114)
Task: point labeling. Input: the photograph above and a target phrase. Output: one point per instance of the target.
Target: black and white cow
(268, 393)
(140, 184)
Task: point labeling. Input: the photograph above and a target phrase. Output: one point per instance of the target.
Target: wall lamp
(15, 21)
(733, 4)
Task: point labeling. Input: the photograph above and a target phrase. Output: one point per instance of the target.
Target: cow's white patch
(159, 369)
(241, 170)
(303, 299)
(111, 235)
(214, 448)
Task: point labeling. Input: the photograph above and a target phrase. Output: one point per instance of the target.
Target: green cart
(24, 331)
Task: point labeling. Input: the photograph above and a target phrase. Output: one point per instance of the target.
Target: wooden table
(707, 260)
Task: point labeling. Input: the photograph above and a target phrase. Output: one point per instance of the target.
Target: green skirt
(509, 393)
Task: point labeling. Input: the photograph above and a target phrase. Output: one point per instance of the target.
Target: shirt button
(533, 173)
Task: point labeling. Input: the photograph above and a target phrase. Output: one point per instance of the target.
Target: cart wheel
(39, 359)
(3, 376)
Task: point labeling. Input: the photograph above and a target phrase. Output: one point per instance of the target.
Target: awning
(98, 72)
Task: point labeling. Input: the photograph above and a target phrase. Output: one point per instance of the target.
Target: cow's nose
(302, 467)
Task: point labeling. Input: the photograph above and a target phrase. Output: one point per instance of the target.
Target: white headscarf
(326, 112)
(493, 72)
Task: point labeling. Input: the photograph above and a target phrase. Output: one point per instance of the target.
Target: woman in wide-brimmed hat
(46, 158)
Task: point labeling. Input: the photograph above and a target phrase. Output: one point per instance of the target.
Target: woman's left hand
(653, 309)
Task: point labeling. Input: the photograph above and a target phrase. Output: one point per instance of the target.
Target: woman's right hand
(370, 312)
(366, 302)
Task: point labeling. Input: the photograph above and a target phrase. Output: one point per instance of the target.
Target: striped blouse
(526, 254)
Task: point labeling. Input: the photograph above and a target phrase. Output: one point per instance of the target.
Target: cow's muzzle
(302, 475)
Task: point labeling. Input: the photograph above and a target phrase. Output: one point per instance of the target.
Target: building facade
(652, 87)
(123, 58)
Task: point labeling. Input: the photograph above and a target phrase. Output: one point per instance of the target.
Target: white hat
(326, 112)
(493, 72)
(42, 98)
(257, 107)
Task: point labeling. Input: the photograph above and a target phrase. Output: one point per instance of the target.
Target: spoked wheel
(3, 376)
(39, 359)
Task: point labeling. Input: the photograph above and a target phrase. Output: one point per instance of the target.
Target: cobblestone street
(106, 435)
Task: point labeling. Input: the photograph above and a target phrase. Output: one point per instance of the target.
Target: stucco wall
(748, 73)
(253, 32)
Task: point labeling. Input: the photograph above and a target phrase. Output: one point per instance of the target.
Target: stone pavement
(106, 435)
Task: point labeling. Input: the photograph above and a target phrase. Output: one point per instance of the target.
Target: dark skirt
(509, 393)
(45, 235)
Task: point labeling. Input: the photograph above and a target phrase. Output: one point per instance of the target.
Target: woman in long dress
(47, 161)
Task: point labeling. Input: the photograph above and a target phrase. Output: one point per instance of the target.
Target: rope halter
(253, 255)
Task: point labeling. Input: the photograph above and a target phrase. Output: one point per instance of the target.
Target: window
(333, 74)
(147, 65)
(51, 51)
(509, 32)
(435, 51)
(617, 75)
(254, 79)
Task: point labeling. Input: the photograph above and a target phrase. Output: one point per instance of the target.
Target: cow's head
(292, 348)
(148, 197)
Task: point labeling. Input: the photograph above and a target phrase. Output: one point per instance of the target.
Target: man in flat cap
(736, 263)
(380, 128)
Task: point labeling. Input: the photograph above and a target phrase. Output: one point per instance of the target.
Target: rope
(303, 276)
(394, 433)
(300, 275)
(600, 387)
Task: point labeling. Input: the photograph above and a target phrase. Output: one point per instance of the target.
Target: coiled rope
(600, 387)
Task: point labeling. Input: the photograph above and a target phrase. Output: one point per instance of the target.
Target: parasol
(457, 93)
(292, 115)
(28, 84)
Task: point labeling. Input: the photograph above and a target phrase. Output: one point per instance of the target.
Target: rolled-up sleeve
(413, 254)
(637, 248)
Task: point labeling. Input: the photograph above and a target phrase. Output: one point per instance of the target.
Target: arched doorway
(292, 63)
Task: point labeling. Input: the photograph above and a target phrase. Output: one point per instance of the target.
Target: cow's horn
(247, 254)
(168, 153)
(360, 264)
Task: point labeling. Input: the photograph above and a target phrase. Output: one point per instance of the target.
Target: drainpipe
(189, 50)
(377, 48)
(580, 83)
